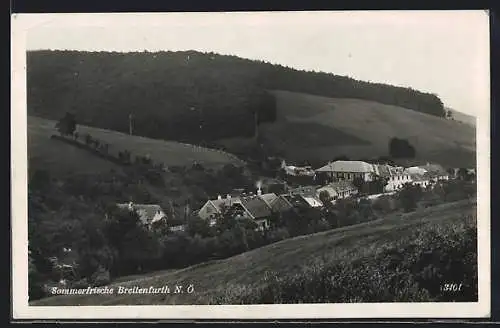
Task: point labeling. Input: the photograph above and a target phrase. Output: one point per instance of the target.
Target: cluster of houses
(260, 206)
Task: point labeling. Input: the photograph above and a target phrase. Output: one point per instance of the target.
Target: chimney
(259, 192)
(219, 197)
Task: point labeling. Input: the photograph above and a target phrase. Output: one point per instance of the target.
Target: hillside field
(445, 232)
(57, 156)
(462, 117)
(318, 129)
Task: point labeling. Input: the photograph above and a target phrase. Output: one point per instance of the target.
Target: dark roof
(281, 204)
(146, 212)
(256, 206)
(296, 200)
(269, 198)
(386, 171)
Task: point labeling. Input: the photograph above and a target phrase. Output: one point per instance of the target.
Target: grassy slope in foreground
(318, 128)
(54, 155)
(242, 277)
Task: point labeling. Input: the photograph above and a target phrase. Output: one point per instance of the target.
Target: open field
(54, 155)
(250, 277)
(462, 117)
(318, 128)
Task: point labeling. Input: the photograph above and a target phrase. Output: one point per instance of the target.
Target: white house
(212, 208)
(348, 170)
(396, 177)
(421, 180)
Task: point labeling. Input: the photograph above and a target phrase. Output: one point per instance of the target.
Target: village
(250, 159)
(337, 180)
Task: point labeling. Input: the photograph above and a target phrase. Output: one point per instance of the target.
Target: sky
(442, 52)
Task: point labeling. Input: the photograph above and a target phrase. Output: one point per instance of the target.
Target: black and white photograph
(251, 165)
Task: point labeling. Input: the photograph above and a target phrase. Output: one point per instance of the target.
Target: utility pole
(256, 123)
(130, 117)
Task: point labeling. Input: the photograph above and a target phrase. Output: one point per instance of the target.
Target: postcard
(251, 165)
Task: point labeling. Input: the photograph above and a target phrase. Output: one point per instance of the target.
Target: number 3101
(451, 287)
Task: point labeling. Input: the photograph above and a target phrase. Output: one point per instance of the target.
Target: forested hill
(187, 96)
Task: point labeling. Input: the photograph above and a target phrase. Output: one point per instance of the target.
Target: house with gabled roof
(256, 207)
(338, 190)
(422, 180)
(269, 198)
(435, 172)
(149, 214)
(214, 207)
(253, 208)
(347, 170)
(282, 204)
(395, 176)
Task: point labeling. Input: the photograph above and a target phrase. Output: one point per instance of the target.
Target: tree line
(185, 96)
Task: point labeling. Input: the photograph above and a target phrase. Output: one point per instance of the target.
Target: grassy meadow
(57, 156)
(402, 257)
(316, 128)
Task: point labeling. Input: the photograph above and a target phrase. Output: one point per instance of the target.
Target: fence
(94, 151)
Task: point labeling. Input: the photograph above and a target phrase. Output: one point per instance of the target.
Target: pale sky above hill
(443, 52)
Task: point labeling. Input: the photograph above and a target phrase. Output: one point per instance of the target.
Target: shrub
(384, 204)
(412, 269)
(101, 277)
(409, 197)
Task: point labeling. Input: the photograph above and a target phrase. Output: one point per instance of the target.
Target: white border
(21, 310)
